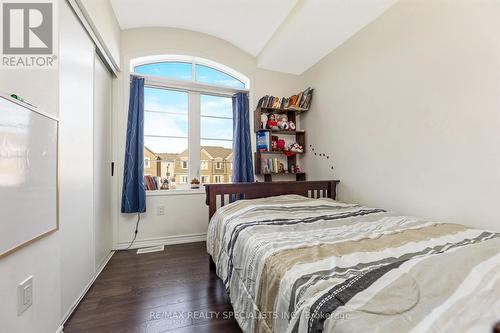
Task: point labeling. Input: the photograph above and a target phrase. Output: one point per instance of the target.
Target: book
(300, 101)
(262, 141)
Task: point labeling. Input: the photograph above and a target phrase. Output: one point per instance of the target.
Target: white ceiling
(248, 24)
(285, 35)
(314, 28)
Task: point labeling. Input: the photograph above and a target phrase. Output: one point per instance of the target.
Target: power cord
(136, 230)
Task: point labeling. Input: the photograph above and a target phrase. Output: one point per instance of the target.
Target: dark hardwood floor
(169, 291)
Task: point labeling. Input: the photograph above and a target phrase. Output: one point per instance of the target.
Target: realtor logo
(28, 34)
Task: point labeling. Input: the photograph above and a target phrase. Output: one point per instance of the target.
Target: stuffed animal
(283, 122)
(296, 148)
(272, 123)
(281, 144)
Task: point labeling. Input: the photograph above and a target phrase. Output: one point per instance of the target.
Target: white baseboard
(170, 240)
(75, 304)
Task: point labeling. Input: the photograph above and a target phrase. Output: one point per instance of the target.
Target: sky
(166, 111)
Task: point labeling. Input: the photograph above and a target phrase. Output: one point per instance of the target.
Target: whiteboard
(28, 174)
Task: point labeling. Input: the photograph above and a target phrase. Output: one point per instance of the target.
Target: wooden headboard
(219, 195)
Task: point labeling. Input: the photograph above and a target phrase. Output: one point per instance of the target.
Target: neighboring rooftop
(214, 152)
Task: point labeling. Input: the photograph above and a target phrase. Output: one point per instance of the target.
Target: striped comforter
(294, 264)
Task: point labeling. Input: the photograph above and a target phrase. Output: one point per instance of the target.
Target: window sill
(187, 191)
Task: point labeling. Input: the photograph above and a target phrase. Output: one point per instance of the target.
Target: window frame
(148, 60)
(194, 90)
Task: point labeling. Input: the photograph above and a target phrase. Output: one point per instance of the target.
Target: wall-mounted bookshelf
(279, 141)
(289, 162)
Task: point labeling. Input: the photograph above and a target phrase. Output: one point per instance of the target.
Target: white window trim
(194, 90)
(185, 85)
(147, 162)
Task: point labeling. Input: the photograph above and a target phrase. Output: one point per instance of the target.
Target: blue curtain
(242, 145)
(134, 191)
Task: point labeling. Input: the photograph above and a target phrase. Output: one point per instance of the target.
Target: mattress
(295, 264)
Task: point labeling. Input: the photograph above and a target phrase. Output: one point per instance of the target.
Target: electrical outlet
(24, 295)
(160, 210)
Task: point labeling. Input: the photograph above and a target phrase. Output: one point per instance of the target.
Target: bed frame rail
(219, 195)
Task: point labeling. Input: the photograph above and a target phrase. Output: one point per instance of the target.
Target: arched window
(188, 68)
(188, 116)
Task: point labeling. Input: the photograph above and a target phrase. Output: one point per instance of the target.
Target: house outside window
(182, 93)
(218, 179)
(147, 162)
(205, 179)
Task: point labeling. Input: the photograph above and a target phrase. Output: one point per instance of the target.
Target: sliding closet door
(76, 81)
(103, 226)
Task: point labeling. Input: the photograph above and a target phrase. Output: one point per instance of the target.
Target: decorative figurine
(164, 184)
(291, 126)
(265, 168)
(263, 121)
(195, 183)
(274, 143)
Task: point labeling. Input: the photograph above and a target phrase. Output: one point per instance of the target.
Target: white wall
(186, 215)
(409, 108)
(61, 263)
(103, 21)
(40, 259)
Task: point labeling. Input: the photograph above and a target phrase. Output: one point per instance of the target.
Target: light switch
(24, 295)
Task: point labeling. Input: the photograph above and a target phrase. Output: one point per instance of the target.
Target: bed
(293, 259)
